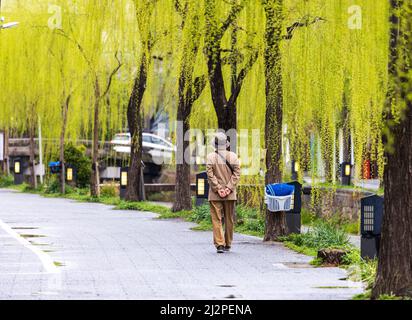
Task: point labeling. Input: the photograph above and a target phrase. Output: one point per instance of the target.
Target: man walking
(223, 170)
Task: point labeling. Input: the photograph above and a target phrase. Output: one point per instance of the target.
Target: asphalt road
(61, 249)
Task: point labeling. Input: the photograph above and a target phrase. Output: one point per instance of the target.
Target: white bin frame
(279, 203)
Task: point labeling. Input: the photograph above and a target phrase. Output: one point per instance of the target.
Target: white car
(160, 150)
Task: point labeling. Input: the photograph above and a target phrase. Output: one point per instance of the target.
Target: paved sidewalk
(100, 253)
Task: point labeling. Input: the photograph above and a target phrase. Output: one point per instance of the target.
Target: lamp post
(371, 223)
(346, 173)
(18, 172)
(124, 177)
(70, 175)
(202, 188)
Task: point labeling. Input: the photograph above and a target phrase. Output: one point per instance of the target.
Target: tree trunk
(225, 108)
(394, 274)
(135, 185)
(33, 178)
(337, 156)
(63, 168)
(347, 152)
(94, 179)
(6, 164)
(189, 91)
(328, 159)
(187, 95)
(183, 197)
(395, 258)
(275, 222)
(65, 109)
(225, 112)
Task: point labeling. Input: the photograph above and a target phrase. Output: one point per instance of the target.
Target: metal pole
(6, 151)
(40, 153)
(142, 189)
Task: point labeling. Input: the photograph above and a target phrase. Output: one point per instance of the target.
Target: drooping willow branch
(113, 73)
(241, 77)
(232, 16)
(303, 22)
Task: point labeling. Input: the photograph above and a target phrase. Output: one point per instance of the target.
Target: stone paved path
(61, 249)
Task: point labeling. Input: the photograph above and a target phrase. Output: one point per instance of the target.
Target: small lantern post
(202, 188)
(71, 174)
(293, 217)
(346, 173)
(295, 169)
(124, 177)
(18, 172)
(371, 223)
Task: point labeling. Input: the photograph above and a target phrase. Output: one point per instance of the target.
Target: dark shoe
(220, 249)
(227, 249)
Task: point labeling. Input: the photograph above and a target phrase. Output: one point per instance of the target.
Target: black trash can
(293, 217)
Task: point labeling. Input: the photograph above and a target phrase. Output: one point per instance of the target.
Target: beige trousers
(220, 210)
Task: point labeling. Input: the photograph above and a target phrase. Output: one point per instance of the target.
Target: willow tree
(275, 225)
(66, 77)
(70, 56)
(90, 37)
(26, 81)
(24, 77)
(325, 65)
(394, 275)
(144, 15)
(189, 89)
(225, 105)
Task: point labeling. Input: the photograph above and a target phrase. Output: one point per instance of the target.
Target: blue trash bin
(55, 167)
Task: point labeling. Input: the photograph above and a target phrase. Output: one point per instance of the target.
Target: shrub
(327, 235)
(142, 206)
(108, 190)
(308, 217)
(363, 270)
(323, 235)
(244, 213)
(337, 220)
(53, 186)
(6, 181)
(201, 213)
(76, 156)
(255, 225)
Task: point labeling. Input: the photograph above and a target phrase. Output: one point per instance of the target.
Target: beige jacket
(220, 176)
